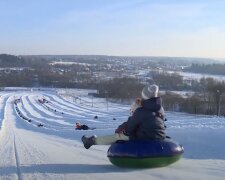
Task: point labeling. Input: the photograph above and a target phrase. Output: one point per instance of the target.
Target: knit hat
(150, 91)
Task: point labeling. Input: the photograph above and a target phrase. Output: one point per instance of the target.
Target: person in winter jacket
(79, 126)
(136, 104)
(146, 122)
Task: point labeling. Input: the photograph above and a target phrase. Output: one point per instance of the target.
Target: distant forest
(7, 60)
(215, 69)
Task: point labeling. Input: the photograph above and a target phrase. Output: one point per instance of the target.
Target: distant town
(73, 71)
(117, 77)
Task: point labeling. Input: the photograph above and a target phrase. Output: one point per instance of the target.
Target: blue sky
(189, 28)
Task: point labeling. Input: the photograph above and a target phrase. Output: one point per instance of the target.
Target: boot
(88, 141)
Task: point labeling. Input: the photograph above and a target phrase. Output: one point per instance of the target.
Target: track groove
(17, 161)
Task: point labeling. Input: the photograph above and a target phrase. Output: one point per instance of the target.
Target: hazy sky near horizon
(189, 28)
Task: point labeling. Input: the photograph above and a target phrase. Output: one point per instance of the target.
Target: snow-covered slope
(54, 151)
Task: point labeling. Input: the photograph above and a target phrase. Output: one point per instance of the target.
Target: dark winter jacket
(147, 122)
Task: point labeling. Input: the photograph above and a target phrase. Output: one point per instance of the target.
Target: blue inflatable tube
(144, 154)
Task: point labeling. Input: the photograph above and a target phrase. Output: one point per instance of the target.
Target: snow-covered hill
(54, 151)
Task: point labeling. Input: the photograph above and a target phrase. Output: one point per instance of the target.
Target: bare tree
(216, 89)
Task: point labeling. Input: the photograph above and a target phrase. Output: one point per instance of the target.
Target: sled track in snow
(17, 160)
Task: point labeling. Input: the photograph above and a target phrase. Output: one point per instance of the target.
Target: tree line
(216, 69)
(208, 99)
(207, 96)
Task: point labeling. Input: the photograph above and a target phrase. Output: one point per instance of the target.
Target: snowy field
(198, 76)
(54, 151)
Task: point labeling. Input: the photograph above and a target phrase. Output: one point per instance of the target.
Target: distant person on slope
(146, 122)
(79, 126)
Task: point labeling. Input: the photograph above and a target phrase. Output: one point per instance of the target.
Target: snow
(68, 63)
(55, 151)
